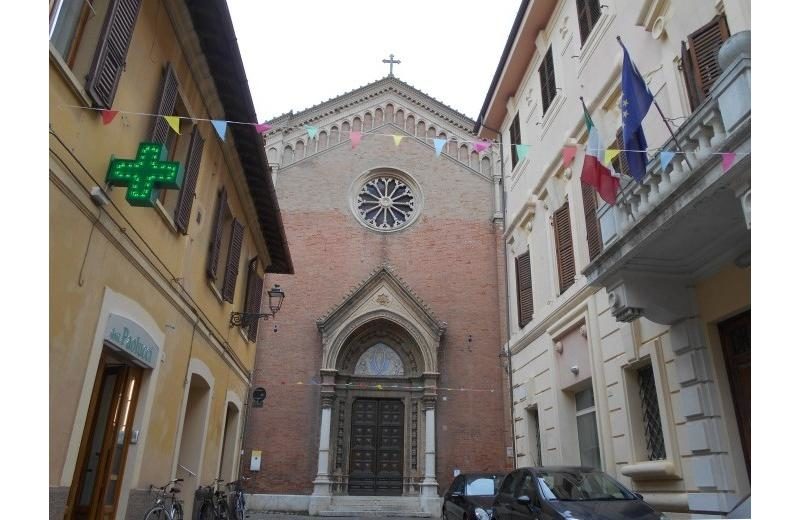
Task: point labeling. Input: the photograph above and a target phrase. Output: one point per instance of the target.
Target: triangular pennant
(174, 122)
(567, 154)
(666, 157)
(263, 127)
(355, 139)
(312, 131)
(480, 146)
(727, 160)
(397, 139)
(438, 145)
(108, 115)
(220, 126)
(522, 151)
(609, 155)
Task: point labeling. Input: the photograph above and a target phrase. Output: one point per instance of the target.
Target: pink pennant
(355, 139)
(727, 160)
(263, 127)
(568, 153)
(108, 115)
(480, 146)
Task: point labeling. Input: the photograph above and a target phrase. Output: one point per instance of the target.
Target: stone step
(343, 503)
(362, 513)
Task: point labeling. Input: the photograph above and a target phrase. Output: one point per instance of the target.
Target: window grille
(654, 435)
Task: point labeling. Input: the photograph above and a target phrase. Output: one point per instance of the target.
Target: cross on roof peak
(391, 61)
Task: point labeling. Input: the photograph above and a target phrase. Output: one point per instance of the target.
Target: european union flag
(636, 101)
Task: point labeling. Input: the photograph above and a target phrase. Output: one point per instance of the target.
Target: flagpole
(661, 113)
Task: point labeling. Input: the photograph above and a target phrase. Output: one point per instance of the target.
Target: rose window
(385, 203)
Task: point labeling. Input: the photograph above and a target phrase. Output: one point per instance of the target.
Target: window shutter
(515, 139)
(547, 79)
(704, 46)
(255, 286)
(524, 289)
(183, 210)
(588, 14)
(620, 162)
(688, 76)
(564, 252)
(593, 237)
(232, 267)
(216, 234)
(166, 105)
(109, 59)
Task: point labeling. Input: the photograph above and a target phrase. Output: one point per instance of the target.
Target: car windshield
(581, 485)
(483, 486)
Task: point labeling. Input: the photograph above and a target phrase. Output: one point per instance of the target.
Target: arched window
(378, 116)
(356, 124)
(486, 165)
(463, 154)
(300, 150)
(410, 124)
(323, 140)
(390, 113)
(272, 155)
(367, 121)
(288, 155)
(334, 135)
(431, 132)
(420, 129)
(474, 160)
(452, 147)
(346, 129)
(399, 118)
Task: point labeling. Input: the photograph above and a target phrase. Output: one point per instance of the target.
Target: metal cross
(146, 174)
(391, 61)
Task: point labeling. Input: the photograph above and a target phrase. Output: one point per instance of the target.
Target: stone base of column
(322, 486)
(320, 499)
(429, 500)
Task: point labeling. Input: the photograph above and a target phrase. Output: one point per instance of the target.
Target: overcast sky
(298, 54)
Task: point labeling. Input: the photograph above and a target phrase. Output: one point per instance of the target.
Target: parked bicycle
(166, 506)
(215, 503)
(237, 504)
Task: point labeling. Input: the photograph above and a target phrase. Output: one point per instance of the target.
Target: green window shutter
(232, 266)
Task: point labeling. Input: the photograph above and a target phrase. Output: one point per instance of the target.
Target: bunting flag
(636, 101)
(727, 160)
(666, 157)
(263, 127)
(174, 122)
(567, 154)
(220, 126)
(522, 151)
(355, 139)
(397, 139)
(312, 131)
(609, 156)
(438, 144)
(480, 146)
(108, 115)
(595, 174)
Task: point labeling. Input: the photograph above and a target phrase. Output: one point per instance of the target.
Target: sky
(298, 54)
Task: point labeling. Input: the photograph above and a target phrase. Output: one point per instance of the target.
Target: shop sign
(129, 337)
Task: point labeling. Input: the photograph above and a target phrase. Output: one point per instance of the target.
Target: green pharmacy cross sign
(146, 174)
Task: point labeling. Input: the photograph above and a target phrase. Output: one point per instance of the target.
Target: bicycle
(215, 503)
(166, 505)
(237, 498)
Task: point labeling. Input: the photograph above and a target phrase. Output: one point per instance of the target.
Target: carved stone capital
(429, 402)
(327, 399)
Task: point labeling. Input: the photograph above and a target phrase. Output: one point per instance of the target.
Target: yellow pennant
(397, 139)
(610, 154)
(174, 122)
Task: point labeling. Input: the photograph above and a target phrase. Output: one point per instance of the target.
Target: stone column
(321, 497)
(429, 493)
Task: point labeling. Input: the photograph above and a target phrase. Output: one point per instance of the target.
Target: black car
(470, 496)
(568, 493)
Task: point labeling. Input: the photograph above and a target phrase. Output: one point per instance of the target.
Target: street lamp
(243, 319)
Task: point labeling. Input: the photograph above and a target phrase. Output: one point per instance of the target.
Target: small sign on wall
(255, 460)
(456, 472)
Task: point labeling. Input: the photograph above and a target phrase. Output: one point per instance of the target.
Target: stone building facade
(630, 324)
(394, 318)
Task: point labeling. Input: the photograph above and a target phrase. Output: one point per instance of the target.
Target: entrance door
(735, 336)
(101, 461)
(376, 447)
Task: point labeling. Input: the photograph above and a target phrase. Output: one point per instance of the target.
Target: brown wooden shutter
(109, 59)
(704, 46)
(166, 105)
(183, 210)
(524, 289)
(216, 234)
(593, 238)
(255, 286)
(547, 80)
(232, 266)
(564, 251)
(588, 14)
(620, 162)
(688, 75)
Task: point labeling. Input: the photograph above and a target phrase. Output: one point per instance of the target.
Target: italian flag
(604, 179)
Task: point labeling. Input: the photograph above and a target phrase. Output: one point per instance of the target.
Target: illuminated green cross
(145, 173)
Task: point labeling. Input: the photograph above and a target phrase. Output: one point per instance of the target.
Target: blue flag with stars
(636, 101)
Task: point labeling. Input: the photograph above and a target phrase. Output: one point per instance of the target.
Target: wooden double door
(376, 447)
(735, 337)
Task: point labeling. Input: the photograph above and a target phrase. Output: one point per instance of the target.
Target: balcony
(687, 220)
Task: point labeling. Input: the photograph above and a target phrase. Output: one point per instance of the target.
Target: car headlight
(663, 517)
(482, 514)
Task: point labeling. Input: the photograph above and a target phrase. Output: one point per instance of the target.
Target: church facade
(383, 369)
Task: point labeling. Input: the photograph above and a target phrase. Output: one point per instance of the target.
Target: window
(534, 437)
(524, 289)
(588, 14)
(482, 486)
(547, 78)
(588, 442)
(386, 203)
(510, 482)
(252, 298)
(699, 59)
(565, 255)
(515, 139)
(620, 162)
(92, 37)
(593, 238)
(654, 436)
(527, 487)
(226, 242)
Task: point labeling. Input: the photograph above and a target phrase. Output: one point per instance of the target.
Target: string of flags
(384, 386)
